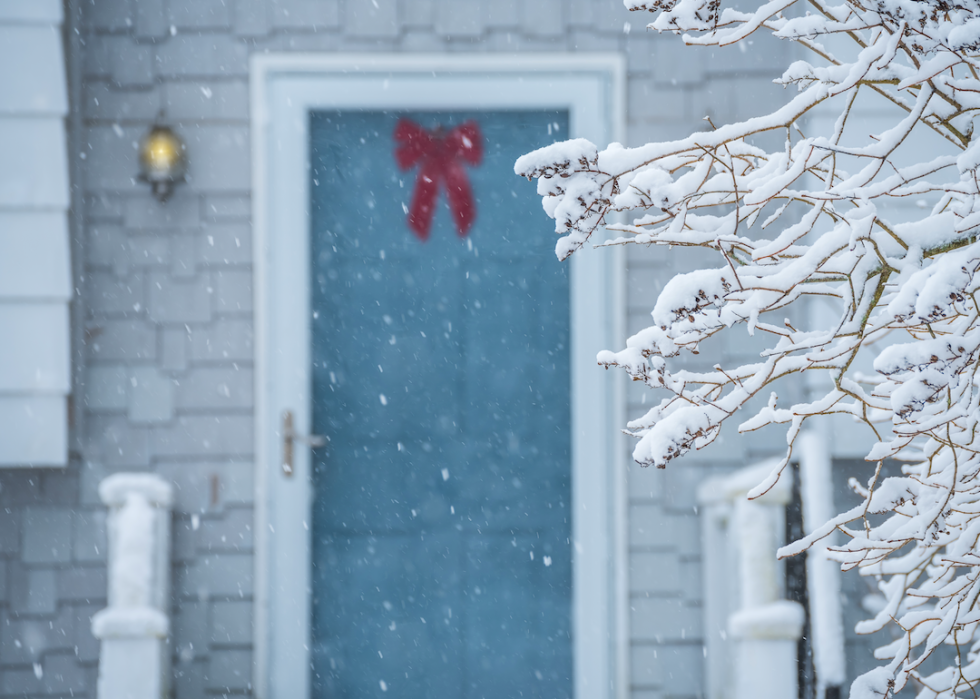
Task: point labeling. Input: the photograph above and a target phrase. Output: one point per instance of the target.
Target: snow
(134, 627)
(556, 159)
(778, 620)
(115, 489)
(136, 503)
(689, 293)
(872, 685)
(131, 573)
(838, 228)
(130, 622)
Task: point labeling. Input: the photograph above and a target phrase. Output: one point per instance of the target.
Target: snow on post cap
(737, 485)
(782, 619)
(114, 489)
(557, 158)
(130, 622)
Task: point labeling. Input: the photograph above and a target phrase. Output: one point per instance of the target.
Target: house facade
(173, 337)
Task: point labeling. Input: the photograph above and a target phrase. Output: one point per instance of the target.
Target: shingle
(25, 640)
(251, 17)
(418, 13)
(305, 14)
(86, 645)
(459, 19)
(201, 14)
(151, 20)
(207, 100)
(189, 675)
(543, 18)
(218, 157)
(230, 531)
(202, 55)
(60, 675)
(580, 13)
(655, 573)
(107, 246)
(109, 295)
(33, 591)
(665, 620)
(184, 255)
(666, 56)
(231, 623)
(227, 244)
(116, 442)
(60, 487)
(151, 396)
(120, 340)
(111, 158)
(89, 535)
(224, 340)
(203, 486)
(102, 208)
(9, 530)
(230, 670)
(652, 527)
(215, 388)
(107, 15)
(184, 543)
(46, 535)
(83, 583)
(647, 101)
(181, 210)
(219, 207)
(371, 18)
(205, 435)
(173, 342)
(233, 291)
(189, 629)
(217, 575)
(677, 669)
(179, 300)
(120, 59)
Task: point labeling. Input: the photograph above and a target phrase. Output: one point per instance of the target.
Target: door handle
(290, 436)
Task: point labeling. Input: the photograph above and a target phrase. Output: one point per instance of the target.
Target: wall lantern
(163, 159)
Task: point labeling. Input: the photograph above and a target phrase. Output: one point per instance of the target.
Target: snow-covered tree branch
(824, 217)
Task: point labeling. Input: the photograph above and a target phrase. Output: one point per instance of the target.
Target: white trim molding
(285, 88)
(35, 248)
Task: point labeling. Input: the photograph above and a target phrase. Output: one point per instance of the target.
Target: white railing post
(134, 659)
(823, 575)
(754, 629)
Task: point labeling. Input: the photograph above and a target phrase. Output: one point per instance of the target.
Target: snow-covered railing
(751, 632)
(134, 660)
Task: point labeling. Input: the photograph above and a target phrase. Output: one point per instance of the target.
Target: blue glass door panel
(441, 523)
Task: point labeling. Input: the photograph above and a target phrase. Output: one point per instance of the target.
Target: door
(441, 557)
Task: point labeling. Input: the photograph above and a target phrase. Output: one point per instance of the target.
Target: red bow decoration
(441, 155)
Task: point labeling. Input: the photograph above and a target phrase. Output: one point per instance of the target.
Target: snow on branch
(823, 218)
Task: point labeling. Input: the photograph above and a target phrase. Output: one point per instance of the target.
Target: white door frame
(284, 89)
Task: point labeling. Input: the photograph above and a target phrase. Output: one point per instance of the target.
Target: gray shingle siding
(164, 361)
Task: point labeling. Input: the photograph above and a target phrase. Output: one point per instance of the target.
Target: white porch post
(765, 628)
(751, 633)
(134, 660)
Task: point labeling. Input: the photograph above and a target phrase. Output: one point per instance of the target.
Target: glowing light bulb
(162, 160)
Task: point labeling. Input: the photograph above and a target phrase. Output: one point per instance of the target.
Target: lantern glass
(162, 160)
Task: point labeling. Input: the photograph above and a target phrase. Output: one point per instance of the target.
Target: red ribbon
(441, 154)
